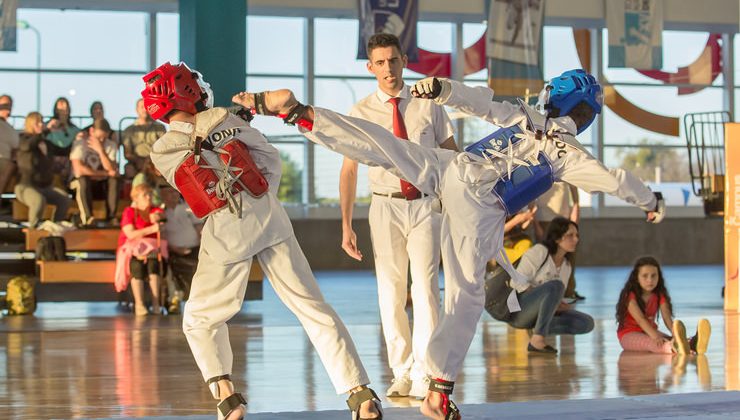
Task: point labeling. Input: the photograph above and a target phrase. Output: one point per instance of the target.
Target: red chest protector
(209, 186)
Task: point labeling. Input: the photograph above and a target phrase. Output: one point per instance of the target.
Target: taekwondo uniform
(250, 228)
(472, 215)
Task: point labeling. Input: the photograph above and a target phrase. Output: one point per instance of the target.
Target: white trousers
(405, 235)
(471, 228)
(217, 294)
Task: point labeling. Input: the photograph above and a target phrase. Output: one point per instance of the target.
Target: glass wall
(93, 55)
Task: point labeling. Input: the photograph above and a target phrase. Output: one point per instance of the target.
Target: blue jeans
(538, 312)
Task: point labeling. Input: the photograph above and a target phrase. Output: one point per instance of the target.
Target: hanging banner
(7, 24)
(515, 30)
(635, 33)
(397, 17)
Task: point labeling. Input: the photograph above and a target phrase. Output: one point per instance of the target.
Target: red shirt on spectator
(651, 310)
(133, 217)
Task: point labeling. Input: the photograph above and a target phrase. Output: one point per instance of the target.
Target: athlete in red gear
(207, 155)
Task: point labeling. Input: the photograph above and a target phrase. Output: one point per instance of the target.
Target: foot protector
(297, 116)
(449, 409)
(231, 403)
(213, 385)
(356, 399)
(259, 104)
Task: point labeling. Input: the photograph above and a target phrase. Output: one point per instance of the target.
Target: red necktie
(399, 130)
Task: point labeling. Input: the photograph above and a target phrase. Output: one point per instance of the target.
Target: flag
(8, 25)
(513, 46)
(635, 33)
(397, 17)
(515, 30)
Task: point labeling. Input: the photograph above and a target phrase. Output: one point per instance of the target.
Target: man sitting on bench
(94, 165)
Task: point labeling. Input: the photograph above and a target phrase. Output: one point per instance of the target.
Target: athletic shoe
(703, 331)
(400, 387)
(679, 338)
(419, 388)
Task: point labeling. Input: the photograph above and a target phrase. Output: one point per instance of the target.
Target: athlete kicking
(227, 172)
(478, 188)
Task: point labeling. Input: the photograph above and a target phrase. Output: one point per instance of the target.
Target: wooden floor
(74, 360)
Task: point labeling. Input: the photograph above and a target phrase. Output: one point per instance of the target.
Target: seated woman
(548, 270)
(35, 186)
(140, 249)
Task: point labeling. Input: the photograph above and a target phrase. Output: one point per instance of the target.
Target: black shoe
(576, 296)
(546, 350)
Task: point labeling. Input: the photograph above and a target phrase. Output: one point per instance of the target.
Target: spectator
(94, 163)
(139, 137)
(560, 201)
(8, 143)
(61, 135)
(642, 297)
(547, 268)
(140, 246)
(35, 166)
(61, 130)
(182, 230)
(97, 112)
(151, 176)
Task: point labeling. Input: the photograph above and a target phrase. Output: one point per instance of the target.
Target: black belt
(399, 195)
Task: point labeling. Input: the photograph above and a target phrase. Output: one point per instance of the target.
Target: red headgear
(170, 88)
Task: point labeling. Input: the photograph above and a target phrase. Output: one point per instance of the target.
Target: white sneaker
(400, 387)
(419, 388)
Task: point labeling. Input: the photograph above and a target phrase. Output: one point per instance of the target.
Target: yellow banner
(732, 215)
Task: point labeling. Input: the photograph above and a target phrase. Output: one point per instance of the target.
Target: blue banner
(8, 25)
(397, 17)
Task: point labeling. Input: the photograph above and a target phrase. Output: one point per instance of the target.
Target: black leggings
(142, 269)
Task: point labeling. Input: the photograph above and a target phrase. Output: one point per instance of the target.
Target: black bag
(51, 248)
(497, 290)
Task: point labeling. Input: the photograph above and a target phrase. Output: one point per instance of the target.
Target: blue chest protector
(526, 182)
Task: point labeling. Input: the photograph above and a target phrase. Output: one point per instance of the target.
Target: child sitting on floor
(642, 296)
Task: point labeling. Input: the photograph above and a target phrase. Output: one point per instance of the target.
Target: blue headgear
(568, 90)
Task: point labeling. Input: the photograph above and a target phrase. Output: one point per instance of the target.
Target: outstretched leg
(362, 141)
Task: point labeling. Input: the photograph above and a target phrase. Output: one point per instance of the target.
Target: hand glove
(659, 210)
(432, 88)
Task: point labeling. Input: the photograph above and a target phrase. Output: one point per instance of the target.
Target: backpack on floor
(21, 296)
(51, 248)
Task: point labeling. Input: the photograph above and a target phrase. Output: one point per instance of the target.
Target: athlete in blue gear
(477, 188)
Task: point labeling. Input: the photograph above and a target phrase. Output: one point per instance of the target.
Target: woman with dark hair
(61, 130)
(96, 110)
(62, 134)
(547, 269)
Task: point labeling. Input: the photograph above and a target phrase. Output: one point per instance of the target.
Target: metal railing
(705, 141)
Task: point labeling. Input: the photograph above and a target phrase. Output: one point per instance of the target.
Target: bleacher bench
(100, 270)
(20, 210)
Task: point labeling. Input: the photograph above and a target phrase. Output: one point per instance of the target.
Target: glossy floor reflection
(75, 360)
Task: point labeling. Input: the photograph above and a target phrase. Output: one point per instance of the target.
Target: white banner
(635, 33)
(7, 24)
(515, 30)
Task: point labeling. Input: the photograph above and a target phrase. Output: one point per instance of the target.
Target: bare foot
(430, 407)
(277, 101)
(368, 410)
(237, 413)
